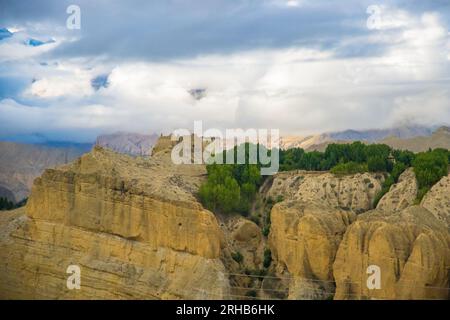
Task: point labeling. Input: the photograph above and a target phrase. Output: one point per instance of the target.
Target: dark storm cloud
(171, 29)
(179, 28)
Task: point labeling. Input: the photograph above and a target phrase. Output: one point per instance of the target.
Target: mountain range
(20, 164)
(320, 141)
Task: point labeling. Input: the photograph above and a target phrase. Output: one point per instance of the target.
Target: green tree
(5, 204)
(377, 164)
(404, 156)
(398, 169)
(430, 167)
(348, 168)
(267, 258)
(231, 187)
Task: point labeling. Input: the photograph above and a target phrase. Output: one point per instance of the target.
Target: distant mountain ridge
(21, 163)
(439, 139)
(319, 141)
(134, 144)
(374, 135)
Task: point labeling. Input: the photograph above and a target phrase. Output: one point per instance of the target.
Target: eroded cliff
(132, 225)
(137, 231)
(324, 238)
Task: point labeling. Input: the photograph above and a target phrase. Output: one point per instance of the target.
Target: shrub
(430, 167)
(377, 164)
(231, 187)
(403, 156)
(420, 194)
(349, 168)
(251, 294)
(267, 258)
(237, 256)
(398, 169)
(5, 204)
(255, 219)
(384, 189)
(266, 230)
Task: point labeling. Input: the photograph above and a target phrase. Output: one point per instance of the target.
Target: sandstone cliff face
(411, 248)
(135, 228)
(352, 192)
(304, 239)
(317, 245)
(402, 194)
(243, 239)
(132, 225)
(437, 200)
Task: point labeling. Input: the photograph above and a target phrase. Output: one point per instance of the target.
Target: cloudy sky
(302, 66)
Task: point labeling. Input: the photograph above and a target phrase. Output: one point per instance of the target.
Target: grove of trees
(429, 168)
(232, 187)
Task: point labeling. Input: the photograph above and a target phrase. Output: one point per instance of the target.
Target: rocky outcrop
(351, 192)
(437, 200)
(242, 237)
(132, 225)
(304, 239)
(402, 194)
(324, 248)
(411, 249)
(137, 231)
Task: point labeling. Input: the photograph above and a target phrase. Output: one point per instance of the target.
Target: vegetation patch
(233, 187)
(5, 204)
(237, 256)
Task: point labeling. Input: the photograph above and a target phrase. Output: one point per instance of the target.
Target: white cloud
(297, 90)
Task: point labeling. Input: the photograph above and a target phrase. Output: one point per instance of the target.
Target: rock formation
(437, 200)
(411, 248)
(352, 192)
(402, 194)
(320, 247)
(132, 225)
(137, 231)
(304, 239)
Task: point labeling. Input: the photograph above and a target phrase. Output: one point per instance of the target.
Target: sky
(300, 66)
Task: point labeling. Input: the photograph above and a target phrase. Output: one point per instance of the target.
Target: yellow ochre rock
(410, 248)
(304, 238)
(402, 194)
(354, 192)
(132, 225)
(437, 200)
